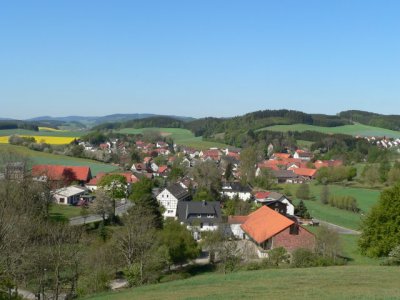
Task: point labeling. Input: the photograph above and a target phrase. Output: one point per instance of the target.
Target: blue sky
(198, 58)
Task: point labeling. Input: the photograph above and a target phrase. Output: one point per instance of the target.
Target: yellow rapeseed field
(49, 129)
(53, 140)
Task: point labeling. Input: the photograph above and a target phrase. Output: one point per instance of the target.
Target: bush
(394, 257)
(303, 258)
(277, 257)
(344, 202)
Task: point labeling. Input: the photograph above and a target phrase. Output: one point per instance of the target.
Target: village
(271, 220)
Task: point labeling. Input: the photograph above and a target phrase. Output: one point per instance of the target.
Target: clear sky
(198, 58)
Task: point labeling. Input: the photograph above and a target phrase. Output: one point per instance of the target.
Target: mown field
(180, 136)
(37, 157)
(366, 198)
(356, 129)
(348, 282)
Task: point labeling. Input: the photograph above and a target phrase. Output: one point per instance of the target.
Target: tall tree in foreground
(137, 242)
(381, 228)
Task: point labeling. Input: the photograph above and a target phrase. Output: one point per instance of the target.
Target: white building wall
(169, 202)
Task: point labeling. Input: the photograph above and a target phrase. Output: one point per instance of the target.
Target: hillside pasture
(354, 130)
(366, 198)
(346, 282)
(180, 136)
(36, 157)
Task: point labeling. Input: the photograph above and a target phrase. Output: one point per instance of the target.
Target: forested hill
(372, 119)
(252, 121)
(210, 126)
(155, 121)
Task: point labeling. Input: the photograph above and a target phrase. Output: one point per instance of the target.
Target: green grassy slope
(37, 157)
(357, 129)
(366, 198)
(348, 282)
(180, 136)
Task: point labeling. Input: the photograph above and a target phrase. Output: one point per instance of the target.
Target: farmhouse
(170, 197)
(63, 174)
(269, 229)
(199, 216)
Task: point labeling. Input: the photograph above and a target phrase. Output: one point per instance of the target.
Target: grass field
(37, 157)
(348, 282)
(42, 132)
(64, 212)
(357, 129)
(180, 136)
(366, 198)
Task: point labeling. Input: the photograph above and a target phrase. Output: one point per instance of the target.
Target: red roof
(304, 171)
(262, 195)
(264, 223)
(237, 219)
(281, 155)
(162, 169)
(130, 178)
(55, 172)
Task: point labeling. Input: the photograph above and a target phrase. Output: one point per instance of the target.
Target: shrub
(277, 257)
(302, 258)
(394, 257)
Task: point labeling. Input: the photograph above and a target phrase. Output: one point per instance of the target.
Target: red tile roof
(262, 195)
(304, 171)
(264, 223)
(130, 178)
(162, 169)
(237, 219)
(281, 155)
(55, 172)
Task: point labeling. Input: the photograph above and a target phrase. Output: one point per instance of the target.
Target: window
(62, 200)
(210, 216)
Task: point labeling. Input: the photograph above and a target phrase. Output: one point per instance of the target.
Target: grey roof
(188, 211)
(284, 174)
(235, 187)
(178, 191)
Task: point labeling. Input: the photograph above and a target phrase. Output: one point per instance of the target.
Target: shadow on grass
(57, 217)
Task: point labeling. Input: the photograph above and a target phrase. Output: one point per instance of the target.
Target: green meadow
(37, 157)
(346, 282)
(66, 133)
(366, 198)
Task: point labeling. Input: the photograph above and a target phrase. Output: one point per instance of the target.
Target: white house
(68, 195)
(235, 228)
(235, 189)
(170, 197)
(272, 200)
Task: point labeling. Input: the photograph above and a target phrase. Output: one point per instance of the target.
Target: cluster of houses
(382, 142)
(296, 168)
(273, 224)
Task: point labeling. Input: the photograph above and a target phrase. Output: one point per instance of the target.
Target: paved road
(119, 211)
(339, 229)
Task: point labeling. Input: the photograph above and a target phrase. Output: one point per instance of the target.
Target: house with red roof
(269, 229)
(328, 163)
(92, 184)
(305, 172)
(64, 175)
(278, 156)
